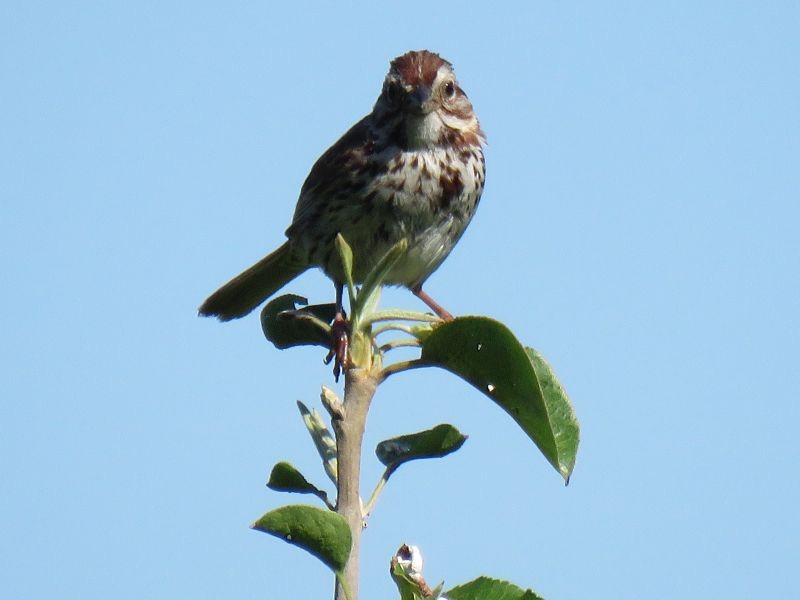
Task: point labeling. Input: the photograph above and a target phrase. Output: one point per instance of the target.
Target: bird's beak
(419, 100)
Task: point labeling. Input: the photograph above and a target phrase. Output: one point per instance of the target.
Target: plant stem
(376, 331)
(399, 315)
(359, 388)
(398, 367)
(378, 489)
(402, 343)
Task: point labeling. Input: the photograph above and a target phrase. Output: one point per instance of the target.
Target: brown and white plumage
(413, 168)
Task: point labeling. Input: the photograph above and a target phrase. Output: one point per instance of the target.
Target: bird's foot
(340, 345)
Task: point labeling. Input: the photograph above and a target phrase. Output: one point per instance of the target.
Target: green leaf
(375, 278)
(485, 353)
(432, 443)
(323, 439)
(286, 478)
(346, 256)
(485, 588)
(562, 416)
(410, 589)
(287, 326)
(323, 533)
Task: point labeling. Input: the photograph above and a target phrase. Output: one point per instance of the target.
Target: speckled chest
(427, 197)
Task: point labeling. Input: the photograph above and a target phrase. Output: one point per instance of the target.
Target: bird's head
(422, 104)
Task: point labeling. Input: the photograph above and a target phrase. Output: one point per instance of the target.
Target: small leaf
(286, 478)
(376, 277)
(346, 256)
(486, 354)
(432, 443)
(408, 588)
(323, 533)
(485, 588)
(323, 439)
(287, 326)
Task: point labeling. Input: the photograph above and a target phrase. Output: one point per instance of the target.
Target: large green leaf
(432, 443)
(286, 325)
(485, 353)
(323, 533)
(485, 588)
(562, 416)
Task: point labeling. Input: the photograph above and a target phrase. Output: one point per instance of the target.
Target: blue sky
(639, 227)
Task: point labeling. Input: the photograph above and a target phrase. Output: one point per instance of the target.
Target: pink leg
(432, 304)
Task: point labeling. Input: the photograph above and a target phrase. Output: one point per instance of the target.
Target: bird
(412, 169)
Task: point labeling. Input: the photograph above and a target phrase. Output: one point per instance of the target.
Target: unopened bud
(332, 403)
(409, 559)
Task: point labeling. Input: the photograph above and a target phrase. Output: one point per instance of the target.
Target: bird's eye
(449, 89)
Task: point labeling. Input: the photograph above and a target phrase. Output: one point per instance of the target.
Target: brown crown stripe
(418, 67)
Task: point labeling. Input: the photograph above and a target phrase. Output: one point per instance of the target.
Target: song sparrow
(413, 168)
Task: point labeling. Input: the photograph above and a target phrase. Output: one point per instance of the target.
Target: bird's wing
(336, 171)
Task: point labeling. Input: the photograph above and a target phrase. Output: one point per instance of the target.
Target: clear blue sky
(639, 227)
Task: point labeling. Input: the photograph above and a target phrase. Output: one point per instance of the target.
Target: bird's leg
(340, 336)
(432, 304)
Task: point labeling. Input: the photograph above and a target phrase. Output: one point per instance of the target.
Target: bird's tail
(247, 290)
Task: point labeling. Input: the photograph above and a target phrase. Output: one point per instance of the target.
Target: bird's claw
(340, 346)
